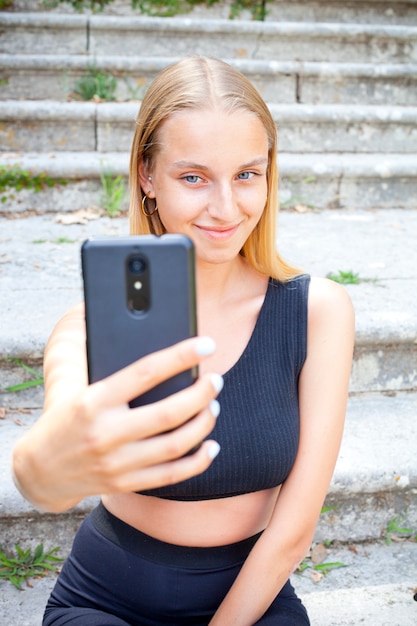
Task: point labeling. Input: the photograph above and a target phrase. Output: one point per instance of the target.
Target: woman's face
(209, 179)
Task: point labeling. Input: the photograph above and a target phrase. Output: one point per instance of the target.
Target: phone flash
(137, 285)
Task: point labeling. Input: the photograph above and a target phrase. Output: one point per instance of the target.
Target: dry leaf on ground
(316, 577)
(318, 553)
(83, 216)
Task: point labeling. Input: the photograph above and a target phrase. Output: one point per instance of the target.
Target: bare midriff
(203, 523)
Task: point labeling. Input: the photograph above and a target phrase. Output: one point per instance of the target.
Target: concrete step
(45, 33)
(328, 180)
(55, 77)
(45, 126)
(354, 11)
(40, 274)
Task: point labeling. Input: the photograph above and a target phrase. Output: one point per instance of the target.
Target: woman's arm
(323, 390)
(88, 442)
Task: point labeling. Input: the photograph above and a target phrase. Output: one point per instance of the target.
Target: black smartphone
(140, 297)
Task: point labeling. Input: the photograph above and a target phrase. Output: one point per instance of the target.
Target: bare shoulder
(329, 301)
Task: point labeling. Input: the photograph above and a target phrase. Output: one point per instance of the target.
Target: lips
(218, 233)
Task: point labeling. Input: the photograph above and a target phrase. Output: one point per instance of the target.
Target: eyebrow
(198, 166)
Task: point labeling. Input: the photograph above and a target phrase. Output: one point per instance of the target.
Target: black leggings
(117, 576)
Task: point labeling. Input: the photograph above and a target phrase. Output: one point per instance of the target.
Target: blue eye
(245, 175)
(192, 178)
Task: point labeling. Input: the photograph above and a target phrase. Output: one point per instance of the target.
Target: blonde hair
(197, 83)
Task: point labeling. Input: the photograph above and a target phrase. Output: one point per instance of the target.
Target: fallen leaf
(2, 413)
(83, 216)
(18, 422)
(318, 553)
(316, 577)
(301, 208)
(353, 549)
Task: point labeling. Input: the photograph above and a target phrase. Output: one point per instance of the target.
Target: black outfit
(117, 576)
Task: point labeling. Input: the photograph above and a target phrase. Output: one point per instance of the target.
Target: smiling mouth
(219, 233)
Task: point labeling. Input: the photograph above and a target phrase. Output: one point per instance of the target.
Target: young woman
(204, 541)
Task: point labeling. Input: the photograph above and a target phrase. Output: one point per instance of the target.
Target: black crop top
(258, 426)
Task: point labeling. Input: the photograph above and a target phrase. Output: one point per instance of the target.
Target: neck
(217, 281)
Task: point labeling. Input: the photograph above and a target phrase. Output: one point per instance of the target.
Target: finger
(155, 450)
(171, 472)
(172, 412)
(122, 426)
(149, 371)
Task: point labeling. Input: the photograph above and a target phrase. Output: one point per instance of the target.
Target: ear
(145, 180)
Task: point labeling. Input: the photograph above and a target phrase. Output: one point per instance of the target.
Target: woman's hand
(88, 441)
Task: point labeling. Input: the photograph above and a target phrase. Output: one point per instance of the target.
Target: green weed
(324, 568)
(349, 278)
(96, 84)
(58, 240)
(113, 194)
(169, 8)
(326, 509)
(35, 381)
(79, 5)
(395, 528)
(23, 564)
(345, 278)
(13, 177)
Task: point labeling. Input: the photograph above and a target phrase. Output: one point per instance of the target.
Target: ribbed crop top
(258, 426)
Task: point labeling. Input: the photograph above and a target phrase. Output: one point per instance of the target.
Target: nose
(223, 203)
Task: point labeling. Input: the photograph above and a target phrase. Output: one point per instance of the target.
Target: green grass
(35, 381)
(324, 568)
(23, 564)
(113, 194)
(349, 278)
(169, 8)
(344, 278)
(15, 178)
(58, 240)
(96, 84)
(395, 528)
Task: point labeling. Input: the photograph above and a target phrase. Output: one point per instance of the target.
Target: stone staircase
(340, 78)
(344, 94)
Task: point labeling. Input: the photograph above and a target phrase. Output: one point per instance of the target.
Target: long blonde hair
(196, 83)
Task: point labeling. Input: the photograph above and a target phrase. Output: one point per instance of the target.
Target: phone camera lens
(137, 265)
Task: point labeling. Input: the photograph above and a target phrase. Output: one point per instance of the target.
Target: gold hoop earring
(144, 210)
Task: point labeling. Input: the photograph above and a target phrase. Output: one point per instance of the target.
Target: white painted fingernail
(205, 346)
(214, 408)
(217, 381)
(213, 450)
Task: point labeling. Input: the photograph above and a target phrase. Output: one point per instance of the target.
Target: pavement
(376, 475)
